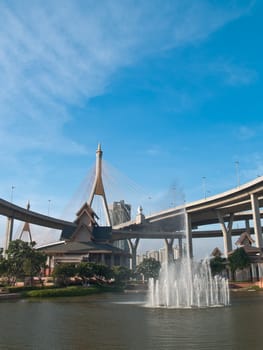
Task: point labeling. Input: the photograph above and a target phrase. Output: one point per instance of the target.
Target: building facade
(120, 212)
(86, 242)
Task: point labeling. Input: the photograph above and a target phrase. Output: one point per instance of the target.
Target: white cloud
(56, 55)
(154, 151)
(251, 166)
(59, 54)
(225, 70)
(235, 75)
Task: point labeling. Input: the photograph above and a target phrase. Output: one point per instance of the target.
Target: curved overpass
(239, 204)
(14, 211)
(242, 203)
(236, 201)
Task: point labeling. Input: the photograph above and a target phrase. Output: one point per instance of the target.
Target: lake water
(120, 321)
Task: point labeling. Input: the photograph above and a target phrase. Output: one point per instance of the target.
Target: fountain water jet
(186, 284)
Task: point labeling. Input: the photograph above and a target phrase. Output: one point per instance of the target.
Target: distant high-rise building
(140, 258)
(159, 255)
(153, 254)
(120, 212)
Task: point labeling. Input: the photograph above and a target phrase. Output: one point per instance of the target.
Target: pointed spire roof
(216, 252)
(245, 240)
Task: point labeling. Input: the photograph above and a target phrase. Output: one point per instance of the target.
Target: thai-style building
(216, 253)
(86, 242)
(255, 254)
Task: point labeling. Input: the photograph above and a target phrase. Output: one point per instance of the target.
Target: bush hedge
(68, 291)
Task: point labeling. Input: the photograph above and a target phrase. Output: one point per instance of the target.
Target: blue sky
(172, 90)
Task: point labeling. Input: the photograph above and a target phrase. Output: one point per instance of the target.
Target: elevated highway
(11, 210)
(15, 212)
(242, 204)
(121, 235)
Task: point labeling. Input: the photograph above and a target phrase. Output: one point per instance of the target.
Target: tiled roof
(244, 238)
(102, 233)
(67, 232)
(81, 248)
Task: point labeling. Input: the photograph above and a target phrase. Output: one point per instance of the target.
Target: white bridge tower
(98, 188)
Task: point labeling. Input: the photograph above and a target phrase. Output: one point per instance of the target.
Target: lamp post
(12, 192)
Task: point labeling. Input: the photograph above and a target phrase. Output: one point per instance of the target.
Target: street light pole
(12, 192)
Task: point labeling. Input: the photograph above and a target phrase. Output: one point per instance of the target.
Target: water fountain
(187, 284)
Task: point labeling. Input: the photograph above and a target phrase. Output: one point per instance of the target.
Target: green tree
(217, 265)
(63, 272)
(149, 267)
(122, 273)
(239, 260)
(3, 267)
(85, 270)
(23, 261)
(102, 271)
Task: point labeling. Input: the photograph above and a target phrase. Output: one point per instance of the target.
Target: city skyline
(172, 92)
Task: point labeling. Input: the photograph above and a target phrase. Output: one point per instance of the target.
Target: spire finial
(99, 151)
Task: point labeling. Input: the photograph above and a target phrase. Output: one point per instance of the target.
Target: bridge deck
(11, 210)
(168, 222)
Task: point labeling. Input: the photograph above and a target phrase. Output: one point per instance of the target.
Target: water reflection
(119, 321)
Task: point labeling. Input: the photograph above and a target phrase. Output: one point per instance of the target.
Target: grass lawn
(68, 291)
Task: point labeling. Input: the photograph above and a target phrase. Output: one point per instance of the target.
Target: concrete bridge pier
(169, 250)
(9, 232)
(189, 238)
(256, 220)
(247, 226)
(226, 232)
(180, 246)
(133, 250)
